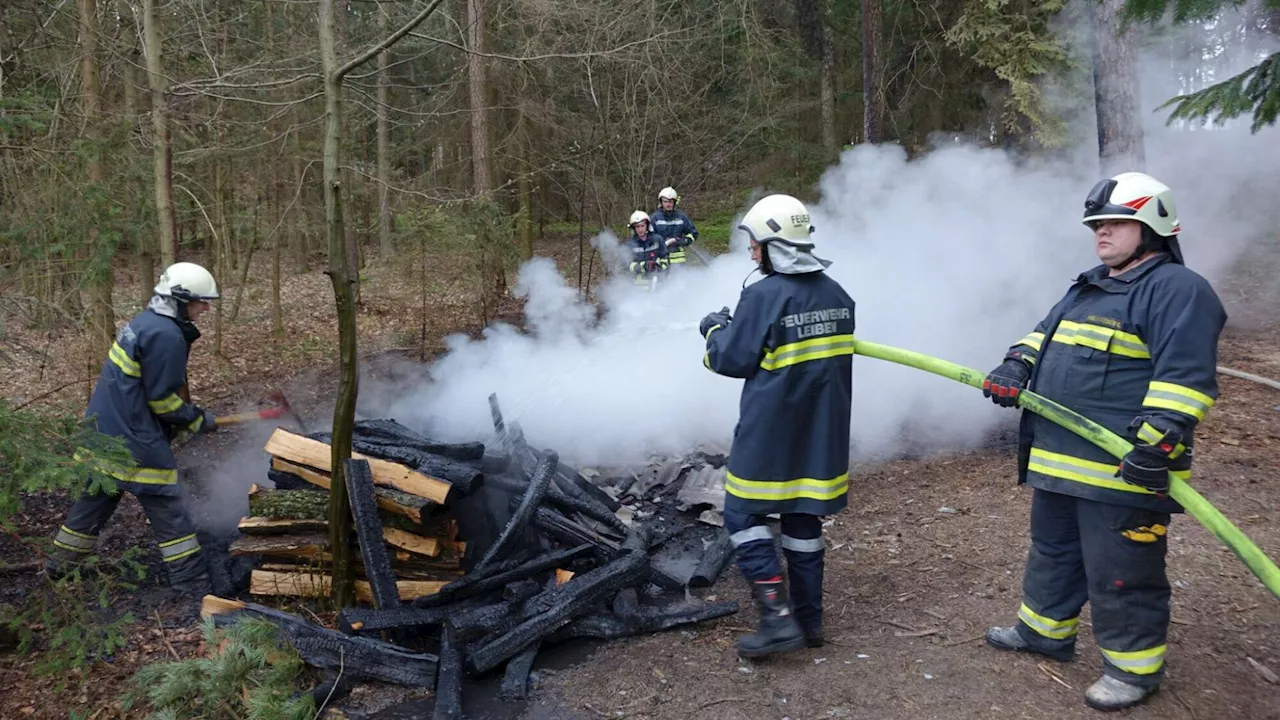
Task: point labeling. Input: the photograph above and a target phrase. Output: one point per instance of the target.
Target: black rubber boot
(197, 586)
(1008, 638)
(778, 631)
(813, 637)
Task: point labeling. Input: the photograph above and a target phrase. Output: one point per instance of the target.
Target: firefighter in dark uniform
(648, 252)
(1133, 346)
(673, 225)
(791, 340)
(139, 398)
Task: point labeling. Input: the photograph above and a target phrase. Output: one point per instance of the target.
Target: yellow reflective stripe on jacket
(140, 475)
(1138, 662)
(806, 488)
(1048, 627)
(165, 405)
(706, 356)
(121, 359)
(1098, 474)
(1034, 341)
(1171, 396)
(1100, 337)
(1149, 435)
(806, 350)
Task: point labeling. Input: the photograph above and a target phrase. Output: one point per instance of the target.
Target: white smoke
(957, 253)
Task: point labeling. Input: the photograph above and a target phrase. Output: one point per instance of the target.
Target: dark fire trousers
(803, 547)
(1112, 556)
(172, 525)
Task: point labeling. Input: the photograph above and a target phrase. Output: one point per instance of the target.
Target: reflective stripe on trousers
(178, 548)
(1138, 662)
(76, 542)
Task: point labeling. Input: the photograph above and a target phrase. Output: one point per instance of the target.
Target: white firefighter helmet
(185, 282)
(1133, 196)
(669, 193)
(779, 218)
(638, 216)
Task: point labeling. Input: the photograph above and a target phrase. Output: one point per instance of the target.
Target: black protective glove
(720, 317)
(1005, 382)
(1146, 466)
(209, 424)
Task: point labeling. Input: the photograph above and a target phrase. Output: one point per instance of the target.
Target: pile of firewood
(538, 556)
(287, 526)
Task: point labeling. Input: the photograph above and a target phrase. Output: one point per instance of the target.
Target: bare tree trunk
(385, 228)
(478, 85)
(1115, 89)
(277, 313)
(816, 37)
(162, 150)
(219, 243)
(344, 291)
(872, 120)
(102, 319)
(143, 244)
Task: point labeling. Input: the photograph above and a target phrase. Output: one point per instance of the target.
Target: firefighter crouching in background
(791, 339)
(1133, 345)
(137, 398)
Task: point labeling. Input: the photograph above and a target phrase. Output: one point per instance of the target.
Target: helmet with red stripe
(1133, 196)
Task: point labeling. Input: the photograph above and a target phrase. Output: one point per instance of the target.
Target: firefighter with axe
(140, 398)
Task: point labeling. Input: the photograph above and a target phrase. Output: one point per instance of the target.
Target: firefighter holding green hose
(1132, 345)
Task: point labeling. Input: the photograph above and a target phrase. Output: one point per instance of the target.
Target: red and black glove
(1005, 383)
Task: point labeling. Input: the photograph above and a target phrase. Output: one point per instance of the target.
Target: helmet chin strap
(1151, 243)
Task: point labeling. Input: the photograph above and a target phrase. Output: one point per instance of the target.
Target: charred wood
(373, 550)
(528, 506)
(361, 658)
(449, 683)
(500, 575)
(716, 558)
(515, 680)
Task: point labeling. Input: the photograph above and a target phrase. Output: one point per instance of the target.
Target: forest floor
(909, 588)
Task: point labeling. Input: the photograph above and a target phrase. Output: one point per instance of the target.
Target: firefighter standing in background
(791, 339)
(673, 225)
(1133, 345)
(138, 398)
(648, 252)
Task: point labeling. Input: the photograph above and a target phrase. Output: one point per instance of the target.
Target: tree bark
(872, 121)
(161, 150)
(816, 37)
(344, 290)
(143, 244)
(385, 228)
(478, 86)
(102, 318)
(277, 312)
(1115, 89)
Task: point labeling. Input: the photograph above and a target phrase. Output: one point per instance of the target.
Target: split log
(528, 505)
(429, 547)
(449, 682)
(271, 526)
(515, 680)
(289, 481)
(714, 560)
(307, 584)
(313, 453)
(373, 550)
(309, 547)
(501, 574)
(359, 657)
(463, 477)
(611, 626)
(390, 499)
(555, 608)
(289, 504)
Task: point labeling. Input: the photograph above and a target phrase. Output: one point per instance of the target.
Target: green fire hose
(1192, 501)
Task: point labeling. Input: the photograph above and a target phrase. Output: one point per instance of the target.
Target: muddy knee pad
(176, 536)
(804, 548)
(753, 544)
(78, 535)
